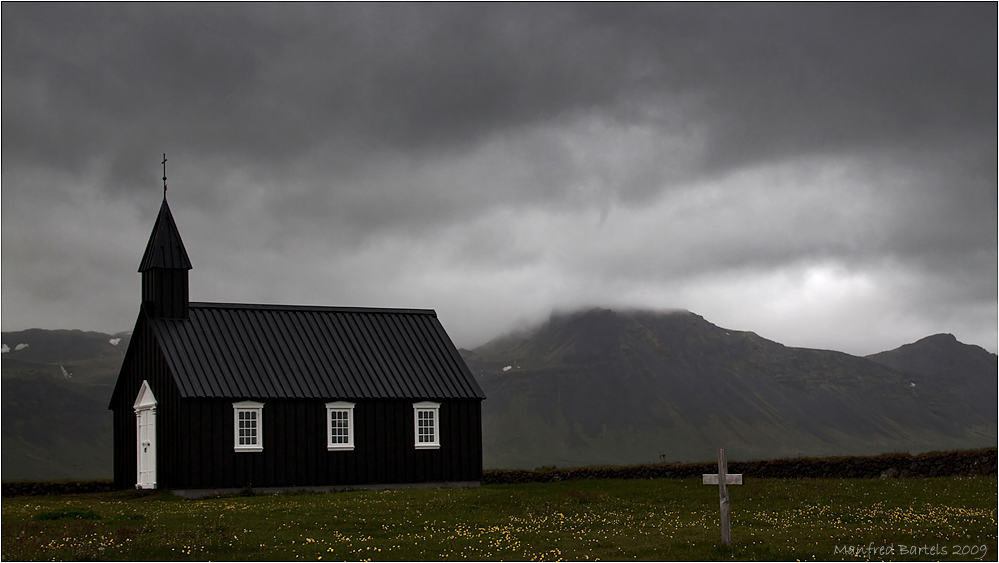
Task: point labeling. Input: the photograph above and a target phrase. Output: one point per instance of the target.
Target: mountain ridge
(582, 385)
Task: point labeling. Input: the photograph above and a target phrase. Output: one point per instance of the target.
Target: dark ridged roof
(165, 249)
(281, 351)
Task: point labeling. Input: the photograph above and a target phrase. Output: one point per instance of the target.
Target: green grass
(661, 519)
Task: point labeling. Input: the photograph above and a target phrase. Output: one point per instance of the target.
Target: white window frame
(248, 407)
(339, 407)
(434, 410)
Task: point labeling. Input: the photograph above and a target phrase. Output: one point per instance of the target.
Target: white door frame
(145, 438)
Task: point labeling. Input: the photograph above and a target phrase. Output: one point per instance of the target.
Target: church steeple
(164, 269)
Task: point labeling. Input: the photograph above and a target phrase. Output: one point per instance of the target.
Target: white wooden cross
(723, 479)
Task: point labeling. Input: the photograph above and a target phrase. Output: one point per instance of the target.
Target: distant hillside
(56, 387)
(947, 373)
(605, 387)
(940, 355)
(595, 387)
(62, 346)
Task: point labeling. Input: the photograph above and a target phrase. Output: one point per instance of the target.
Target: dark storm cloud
(538, 152)
(269, 81)
(796, 78)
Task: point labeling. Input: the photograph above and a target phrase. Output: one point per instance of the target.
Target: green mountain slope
(55, 392)
(624, 387)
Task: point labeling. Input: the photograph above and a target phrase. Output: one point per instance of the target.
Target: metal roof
(283, 351)
(165, 249)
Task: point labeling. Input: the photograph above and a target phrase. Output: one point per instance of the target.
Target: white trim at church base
(201, 493)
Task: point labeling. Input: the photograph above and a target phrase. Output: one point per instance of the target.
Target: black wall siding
(206, 459)
(182, 449)
(187, 463)
(221, 465)
(400, 455)
(383, 416)
(295, 453)
(299, 437)
(195, 445)
(457, 438)
(310, 427)
(165, 292)
(277, 431)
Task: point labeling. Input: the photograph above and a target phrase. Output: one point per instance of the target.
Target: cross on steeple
(164, 175)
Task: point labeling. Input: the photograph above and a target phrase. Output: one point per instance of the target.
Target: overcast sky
(823, 175)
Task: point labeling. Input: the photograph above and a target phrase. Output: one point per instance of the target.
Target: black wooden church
(224, 395)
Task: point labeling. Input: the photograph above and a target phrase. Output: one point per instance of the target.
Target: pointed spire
(164, 268)
(165, 248)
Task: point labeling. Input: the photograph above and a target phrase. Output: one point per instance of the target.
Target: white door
(145, 434)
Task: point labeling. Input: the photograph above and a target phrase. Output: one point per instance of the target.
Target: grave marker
(723, 479)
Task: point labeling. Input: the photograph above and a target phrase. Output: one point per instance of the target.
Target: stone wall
(22, 488)
(885, 466)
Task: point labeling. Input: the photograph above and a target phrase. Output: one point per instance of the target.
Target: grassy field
(661, 519)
